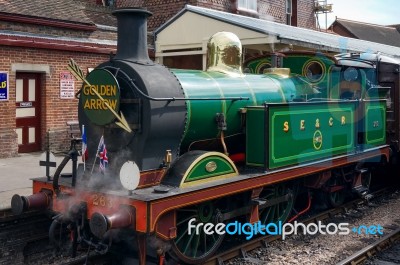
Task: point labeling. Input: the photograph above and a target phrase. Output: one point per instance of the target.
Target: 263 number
(101, 200)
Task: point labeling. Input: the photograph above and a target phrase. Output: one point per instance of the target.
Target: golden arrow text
(78, 73)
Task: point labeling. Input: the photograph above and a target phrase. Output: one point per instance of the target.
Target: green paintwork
(334, 83)
(297, 64)
(201, 114)
(299, 145)
(199, 170)
(255, 140)
(375, 125)
(107, 86)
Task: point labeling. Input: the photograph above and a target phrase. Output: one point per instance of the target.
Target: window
(289, 12)
(314, 71)
(289, 7)
(262, 67)
(110, 3)
(250, 5)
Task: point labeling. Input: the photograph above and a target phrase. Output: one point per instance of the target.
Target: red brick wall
(267, 9)
(305, 14)
(8, 136)
(276, 10)
(55, 111)
(342, 31)
(162, 11)
(222, 5)
(272, 10)
(130, 3)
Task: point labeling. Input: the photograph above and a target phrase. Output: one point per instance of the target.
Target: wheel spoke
(196, 246)
(271, 220)
(188, 243)
(335, 198)
(279, 211)
(182, 235)
(268, 216)
(205, 243)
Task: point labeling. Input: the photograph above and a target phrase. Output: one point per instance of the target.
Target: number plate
(101, 200)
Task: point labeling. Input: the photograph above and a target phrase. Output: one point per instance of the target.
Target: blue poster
(3, 86)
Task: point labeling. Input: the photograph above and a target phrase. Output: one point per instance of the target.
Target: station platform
(16, 174)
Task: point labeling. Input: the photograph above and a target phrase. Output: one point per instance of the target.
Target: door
(27, 100)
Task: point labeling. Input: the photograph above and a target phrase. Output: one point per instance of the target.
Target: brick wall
(305, 14)
(130, 3)
(342, 31)
(55, 111)
(162, 11)
(222, 5)
(274, 10)
(8, 136)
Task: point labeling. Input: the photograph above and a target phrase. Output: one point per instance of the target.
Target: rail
(371, 250)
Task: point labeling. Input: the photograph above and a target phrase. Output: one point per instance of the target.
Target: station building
(37, 39)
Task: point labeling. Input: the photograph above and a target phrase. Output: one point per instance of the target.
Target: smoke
(96, 182)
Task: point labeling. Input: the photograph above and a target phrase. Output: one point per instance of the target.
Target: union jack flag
(103, 157)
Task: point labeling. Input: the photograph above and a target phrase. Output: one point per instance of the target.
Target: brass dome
(224, 53)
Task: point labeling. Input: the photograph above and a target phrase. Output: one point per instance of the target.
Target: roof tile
(75, 11)
(371, 32)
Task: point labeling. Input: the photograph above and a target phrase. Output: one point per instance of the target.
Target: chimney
(132, 35)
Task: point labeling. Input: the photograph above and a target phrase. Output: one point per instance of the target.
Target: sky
(381, 12)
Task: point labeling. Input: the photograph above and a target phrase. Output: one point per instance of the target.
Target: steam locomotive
(215, 146)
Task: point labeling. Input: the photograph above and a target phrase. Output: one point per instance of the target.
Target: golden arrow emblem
(78, 73)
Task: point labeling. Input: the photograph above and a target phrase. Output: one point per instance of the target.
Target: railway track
(20, 234)
(381, 245)
(263, 241)
(24, 239)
